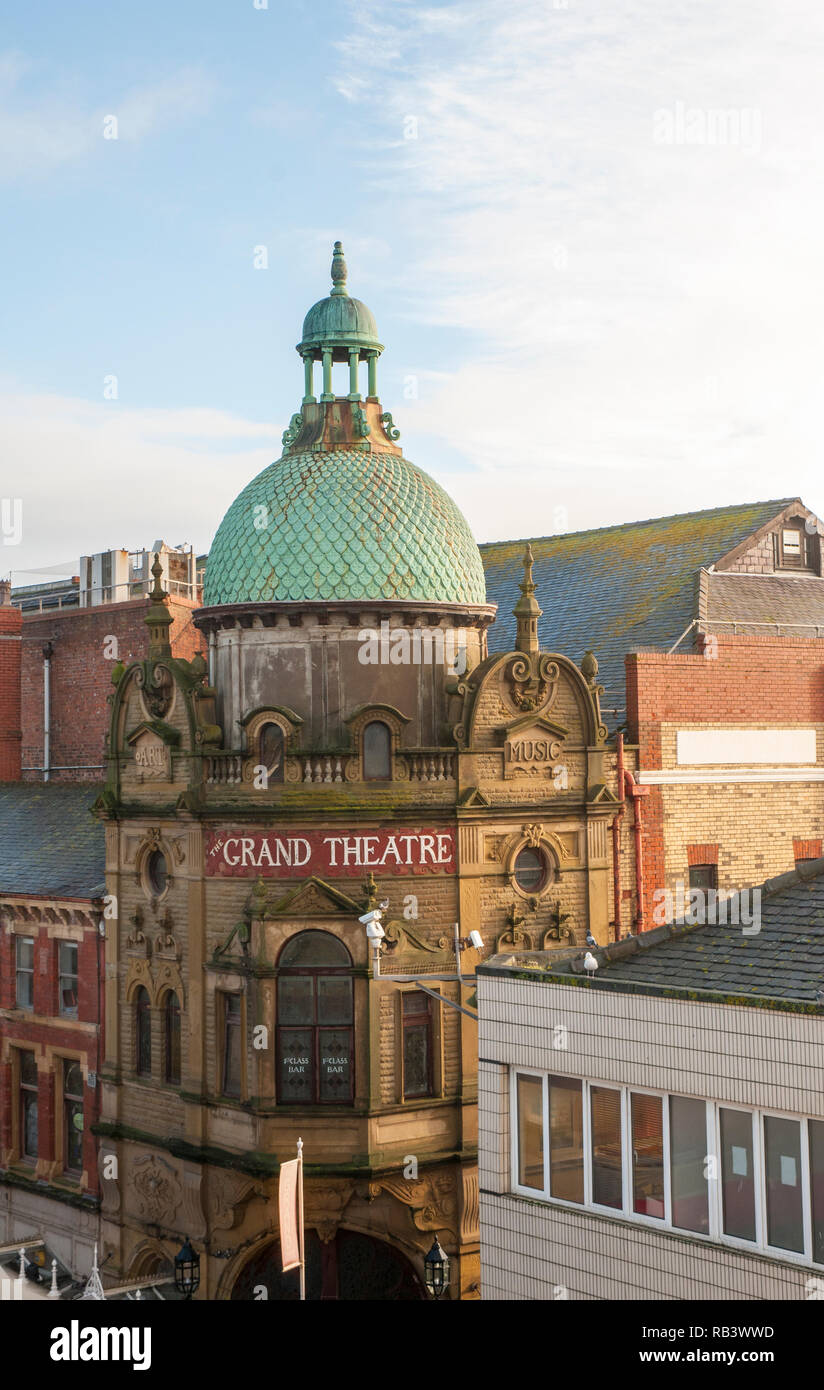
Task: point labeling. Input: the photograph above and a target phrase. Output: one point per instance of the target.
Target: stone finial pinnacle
(157, 592)
(527, 562)
(526, 610)
(158, 618)
(339, 271)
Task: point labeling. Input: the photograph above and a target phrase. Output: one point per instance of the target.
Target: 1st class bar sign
(332, 854)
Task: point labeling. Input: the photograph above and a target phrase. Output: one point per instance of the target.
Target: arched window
(377, 752)
(314, 1021)
(171, 1039)
(143, 1032)
(270, 750)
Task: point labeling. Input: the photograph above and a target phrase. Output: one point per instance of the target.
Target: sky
(591, 234)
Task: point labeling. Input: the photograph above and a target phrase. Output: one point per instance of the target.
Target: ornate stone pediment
(151, 744)
(532, 747)
(313, 898)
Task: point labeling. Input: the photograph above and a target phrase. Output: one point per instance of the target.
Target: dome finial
(339, 271)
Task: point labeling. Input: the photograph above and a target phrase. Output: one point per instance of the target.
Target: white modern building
(654, 1128)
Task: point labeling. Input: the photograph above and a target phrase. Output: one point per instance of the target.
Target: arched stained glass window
(315, 1021)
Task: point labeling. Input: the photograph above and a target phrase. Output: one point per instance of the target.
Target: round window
(156, 872)
(531, 870)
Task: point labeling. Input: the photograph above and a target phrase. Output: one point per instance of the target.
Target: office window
(417, 1044)
(688, 1159)
(674, 1142)
(315, 1032)
(647, 1117)
(737, 1173)
(24, 948)
(231, 1079)
(142, 1032)
(171, 1039)
(72, 1116)
(530, 1092)
(28, 1106)
(607, 1155)
(67, 977)
(566, 1139)
(377, 752)
(816, 1128)
(782, 1158)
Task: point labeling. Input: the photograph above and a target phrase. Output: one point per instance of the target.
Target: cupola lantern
(339, 329)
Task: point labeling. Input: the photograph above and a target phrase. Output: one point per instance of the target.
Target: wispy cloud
(641, 292)
(183, 468)
(38, 133)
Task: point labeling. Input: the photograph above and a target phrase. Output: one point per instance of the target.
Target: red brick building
(707, 628)
(52, 861)
(51, 903)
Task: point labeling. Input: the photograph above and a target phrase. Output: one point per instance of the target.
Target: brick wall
(738, 682)
(49, 1035)
(87, 642)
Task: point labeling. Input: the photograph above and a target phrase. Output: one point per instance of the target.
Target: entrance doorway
(349, 1267)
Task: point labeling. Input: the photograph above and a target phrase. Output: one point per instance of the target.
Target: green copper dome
(339, 323)
(326, 525)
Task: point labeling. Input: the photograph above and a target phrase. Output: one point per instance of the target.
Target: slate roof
(746, 603)
(784, 961)
(50, 844)
(618, 588)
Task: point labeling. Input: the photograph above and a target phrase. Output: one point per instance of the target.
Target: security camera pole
(374, 933)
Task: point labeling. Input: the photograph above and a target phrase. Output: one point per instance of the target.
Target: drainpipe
(616, 844)
(48, 653)
(636, 793)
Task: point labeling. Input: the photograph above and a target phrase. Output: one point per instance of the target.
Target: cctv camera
(476, 940)
(374, 931)
(368, 917)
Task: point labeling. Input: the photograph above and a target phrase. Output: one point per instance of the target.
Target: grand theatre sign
(299, 853)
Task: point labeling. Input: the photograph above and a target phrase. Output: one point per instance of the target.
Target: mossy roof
(619, 587)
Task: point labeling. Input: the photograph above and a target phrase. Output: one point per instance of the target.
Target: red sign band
(328, 854)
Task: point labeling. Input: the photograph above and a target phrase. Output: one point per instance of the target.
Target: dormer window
(796, 548)
(792, 546)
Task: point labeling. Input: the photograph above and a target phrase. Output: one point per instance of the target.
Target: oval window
(156, 872)
(531, 870)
